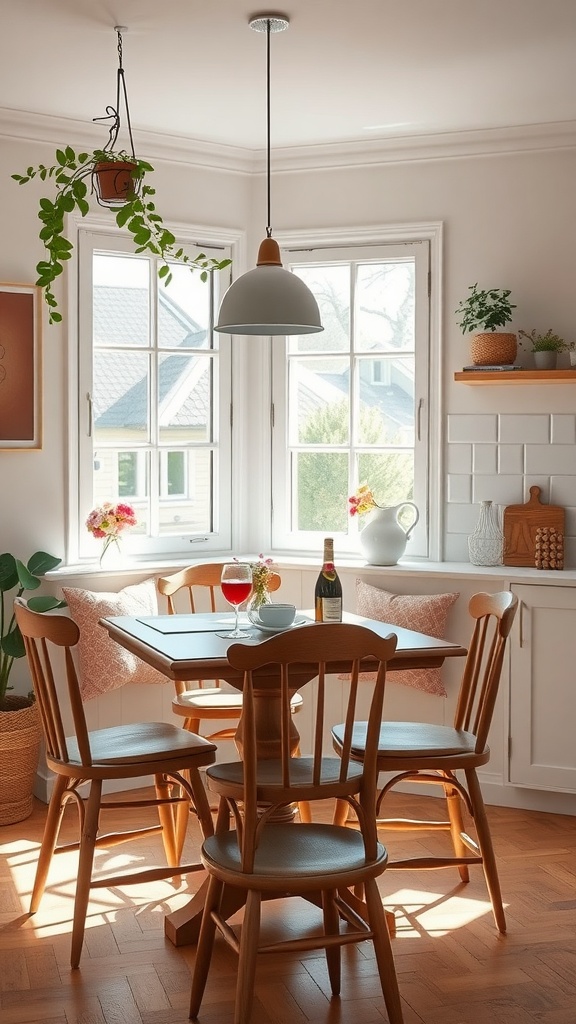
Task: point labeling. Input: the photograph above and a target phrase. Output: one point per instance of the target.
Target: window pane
(121, 310)
(193, 513)
(120, 397)
(322, 491)
(184, 310)
(331, 288)
(127, 474)
(385, 306)
(176, 474)
(386, 401)
(123, 474)
(320, 390)
(390, 475)
(185, 398)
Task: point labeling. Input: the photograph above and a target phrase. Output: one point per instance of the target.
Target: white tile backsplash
(459, 458)
(482, 429)
(459, 487)
(511, 458)
(499, 458)
(485, 458)
(563, 429)
(524, 429)
(550, 459)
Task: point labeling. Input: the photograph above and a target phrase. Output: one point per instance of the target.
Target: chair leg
(454, 807)
(49, 840)
(205, 945)
(201, 803)
(332, 927)
(486, 849)
(166, 816)
(85, 865)
(247, 963)
(383, 950)
(341, 810)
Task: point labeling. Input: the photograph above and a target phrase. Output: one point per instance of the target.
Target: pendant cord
(268, 225)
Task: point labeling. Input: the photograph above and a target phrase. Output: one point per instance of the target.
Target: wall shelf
(516, 376)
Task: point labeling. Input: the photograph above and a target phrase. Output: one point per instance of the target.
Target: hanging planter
(115, 181)
(118, 182)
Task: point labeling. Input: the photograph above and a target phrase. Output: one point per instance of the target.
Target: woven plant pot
(20, 733)
(493, 348)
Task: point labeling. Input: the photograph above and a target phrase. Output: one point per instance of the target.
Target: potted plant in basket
(19, 719)
(483, 312)
(117, 180)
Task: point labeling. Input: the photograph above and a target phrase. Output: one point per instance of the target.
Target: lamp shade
(269, 300)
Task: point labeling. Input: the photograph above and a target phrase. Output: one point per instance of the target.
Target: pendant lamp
(269, 300)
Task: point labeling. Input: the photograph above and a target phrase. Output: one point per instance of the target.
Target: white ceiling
(345, 71)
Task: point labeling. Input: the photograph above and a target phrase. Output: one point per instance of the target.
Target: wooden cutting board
(521, 523)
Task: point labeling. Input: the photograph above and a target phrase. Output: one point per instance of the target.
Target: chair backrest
(206, 575)
(39, 631)
(494, 615)
(285, 663)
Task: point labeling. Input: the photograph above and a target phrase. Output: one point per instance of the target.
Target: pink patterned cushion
(102, 664)
(426, 613)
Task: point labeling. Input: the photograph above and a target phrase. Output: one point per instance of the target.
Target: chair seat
(270, 771)
(214, 699)
(302, 853)
(418, 739)
(142, 741)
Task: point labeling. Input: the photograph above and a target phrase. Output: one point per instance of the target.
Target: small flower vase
(486, 543)
(111, 553)
(259, 597)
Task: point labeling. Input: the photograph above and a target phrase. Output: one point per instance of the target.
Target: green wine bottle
(328, 592)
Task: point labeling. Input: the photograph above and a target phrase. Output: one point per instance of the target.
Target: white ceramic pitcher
(383, 539)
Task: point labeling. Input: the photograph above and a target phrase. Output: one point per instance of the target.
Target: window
(155, 379)
(351, 404)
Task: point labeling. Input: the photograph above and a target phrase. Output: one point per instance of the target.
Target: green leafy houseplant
(17, 577)
(548, 342)
(136, 211)
(485, 310)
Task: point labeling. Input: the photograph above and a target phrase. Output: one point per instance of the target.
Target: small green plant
(548, 342)
(137, 214)
(485, 310)
(15, 576)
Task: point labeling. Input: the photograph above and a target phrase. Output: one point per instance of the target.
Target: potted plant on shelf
(483, 312)
(20, 728)
(544, 347)
(117, 179)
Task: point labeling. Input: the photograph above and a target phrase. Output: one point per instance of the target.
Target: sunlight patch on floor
(419, 912)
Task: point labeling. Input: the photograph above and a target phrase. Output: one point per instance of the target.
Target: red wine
(236, 591)
(328, 592)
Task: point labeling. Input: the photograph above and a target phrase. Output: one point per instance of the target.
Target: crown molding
(556, 135)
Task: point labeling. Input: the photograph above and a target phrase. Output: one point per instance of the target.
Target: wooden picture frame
(20, 367)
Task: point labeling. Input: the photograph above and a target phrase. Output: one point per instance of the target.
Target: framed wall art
(20, 367)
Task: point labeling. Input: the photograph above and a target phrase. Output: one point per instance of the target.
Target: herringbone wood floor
(453, 967)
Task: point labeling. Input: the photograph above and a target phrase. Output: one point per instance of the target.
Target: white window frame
(99, 235)
(298, 249)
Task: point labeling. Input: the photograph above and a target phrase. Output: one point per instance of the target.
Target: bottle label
(331, 609)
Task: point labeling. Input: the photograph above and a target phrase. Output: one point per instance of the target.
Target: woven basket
(493, 348)
(20, 733)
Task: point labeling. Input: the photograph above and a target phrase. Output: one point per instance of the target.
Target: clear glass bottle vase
(486, 543)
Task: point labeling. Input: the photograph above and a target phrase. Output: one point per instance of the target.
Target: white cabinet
(543, 689)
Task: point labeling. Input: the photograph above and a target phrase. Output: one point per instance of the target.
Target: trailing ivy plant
(138, 215)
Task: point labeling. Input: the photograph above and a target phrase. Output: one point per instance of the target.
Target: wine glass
(236, 584)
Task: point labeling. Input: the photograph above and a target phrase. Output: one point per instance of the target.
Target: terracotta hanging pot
(114, 182)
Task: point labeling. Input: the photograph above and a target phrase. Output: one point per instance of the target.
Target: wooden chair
(121, 752)
(432, 754)
(205, 703)
(265, 857)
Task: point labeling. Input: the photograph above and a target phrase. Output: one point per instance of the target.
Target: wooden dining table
(193, 647)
